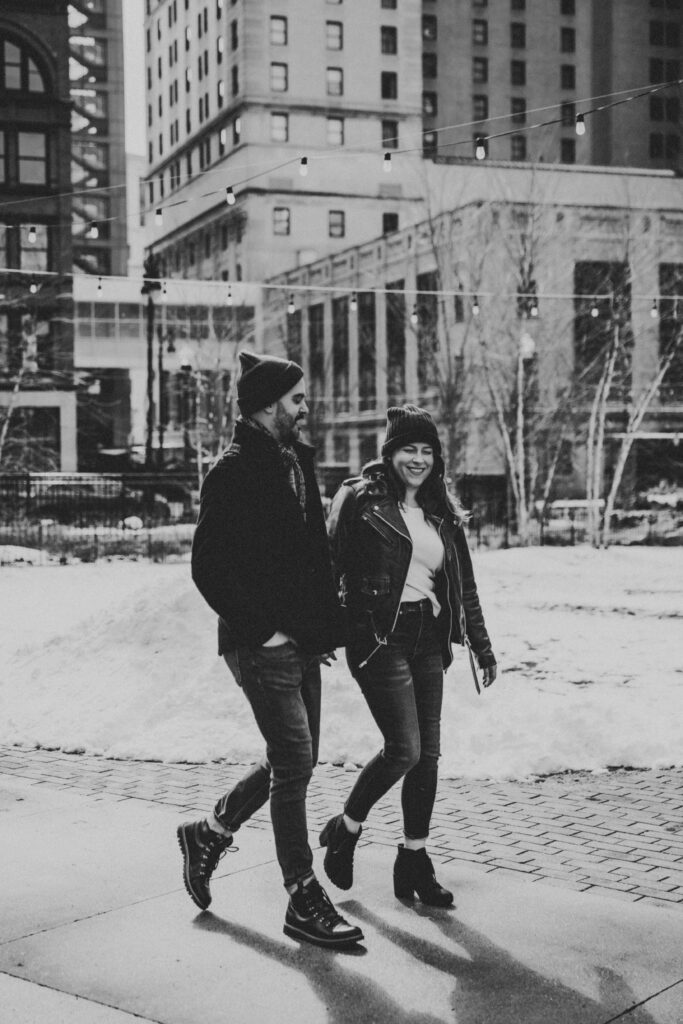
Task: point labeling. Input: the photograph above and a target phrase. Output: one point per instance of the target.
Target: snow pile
(120, 659)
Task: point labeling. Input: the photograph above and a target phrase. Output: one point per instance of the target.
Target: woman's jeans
(283, 687)
(403, 686)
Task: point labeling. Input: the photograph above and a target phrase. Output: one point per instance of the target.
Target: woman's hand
(489, 674)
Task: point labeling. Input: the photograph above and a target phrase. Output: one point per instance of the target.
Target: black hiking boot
(341, 845)
(312, 917)
(202, 849)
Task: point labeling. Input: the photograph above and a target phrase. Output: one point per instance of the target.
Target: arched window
(18, 70)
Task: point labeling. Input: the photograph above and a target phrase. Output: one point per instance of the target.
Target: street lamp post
(151, 285)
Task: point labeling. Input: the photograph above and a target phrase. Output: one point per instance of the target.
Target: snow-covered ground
(120, 659)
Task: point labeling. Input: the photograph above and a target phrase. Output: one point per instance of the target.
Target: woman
(406, 579)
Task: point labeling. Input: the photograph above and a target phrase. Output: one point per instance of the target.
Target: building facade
(37, 384)
(496, 66)
(510, 299)
(98, 167)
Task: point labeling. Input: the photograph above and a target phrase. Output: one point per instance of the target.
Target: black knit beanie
(263, 379)
(407, 424)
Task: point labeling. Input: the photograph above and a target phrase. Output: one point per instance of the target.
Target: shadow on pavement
(347, 997)
(492, 986)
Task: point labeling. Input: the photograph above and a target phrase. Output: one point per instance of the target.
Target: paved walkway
(618, 834)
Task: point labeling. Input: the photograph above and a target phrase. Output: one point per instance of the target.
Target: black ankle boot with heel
(414, 873)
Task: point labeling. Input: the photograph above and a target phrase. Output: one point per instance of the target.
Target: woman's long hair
(433, 496)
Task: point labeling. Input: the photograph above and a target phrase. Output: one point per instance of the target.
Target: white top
(427, 557)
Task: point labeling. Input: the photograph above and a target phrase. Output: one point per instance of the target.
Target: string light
(99, 285)
(93, 230)
(475, 306)
(158, 217)
(414, 316)
(654, 312)
(230, 196)
(229, 300)
(303, 166)
(291, 307)
(580, 125)
(594, 309)
(32, 235)
(480, 149)
(33, 286)
(386, 163)
(533, 308)
(164, 292)
(354, 302)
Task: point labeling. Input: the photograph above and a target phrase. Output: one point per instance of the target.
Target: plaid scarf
(290, 460)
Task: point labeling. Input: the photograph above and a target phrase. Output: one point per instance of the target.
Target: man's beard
(286, 425)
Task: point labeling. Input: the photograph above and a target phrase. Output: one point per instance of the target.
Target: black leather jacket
(371, 552)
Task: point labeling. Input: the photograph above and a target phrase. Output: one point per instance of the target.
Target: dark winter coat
(371, 551)
(256, 560)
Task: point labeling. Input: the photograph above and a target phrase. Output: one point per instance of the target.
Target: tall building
(98, 145)
(499, 66)
(37, 384)
(238, 92)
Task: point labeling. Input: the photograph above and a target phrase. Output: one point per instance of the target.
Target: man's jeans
(283, 687)
(403, 685)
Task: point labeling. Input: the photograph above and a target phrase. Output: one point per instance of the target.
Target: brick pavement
(619, 834)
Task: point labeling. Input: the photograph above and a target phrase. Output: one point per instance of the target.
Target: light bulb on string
(580, 125)
(533, 308)
(354, 302)
(415, 316)
(594, 309)
(303, 166)
(99, 285)
(475, 306)
(291, 306)
(33, 286)
(654, 312)
(158, 217)
(230, 196)
(32, 235)
(386, 163)
(229, 299)
(480, 148)
(93, 230)
(164, 292)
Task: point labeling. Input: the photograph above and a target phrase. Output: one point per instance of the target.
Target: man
(260, 559)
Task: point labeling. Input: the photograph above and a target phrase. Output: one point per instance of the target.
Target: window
(388, 5)
(336, 224)
(568, 151)
(665, 33)
(390, 134)
(220, 93)
(389, 39)
(480, 32)
(220, 47)
(518, 110)
(279, 77)
(517, 5)
(279, 127)
(278, 31)
(236, 131)
(568, 76)
(235, 79)
(665, 108)
(33, 255)
(518, 35)
(281, 220)
(664, 146)
(568, 115)
(429, 65)
(480, 70)
(518, 147)
(335, 131)
(518, 72)
(188, 121)
(429, 27)
(568, 7)
(334, 78)
(389, 223)
(389, 85)
(334, 35)
(567, 40)
(664, 70)
(32, 158)
(429, 104)
(480, 108)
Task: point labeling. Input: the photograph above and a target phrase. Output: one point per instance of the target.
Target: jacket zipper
(382, 641)
(448, 582)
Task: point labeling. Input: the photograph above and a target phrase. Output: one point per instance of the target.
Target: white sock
(216, 826)
(351, 825)
(414, 844)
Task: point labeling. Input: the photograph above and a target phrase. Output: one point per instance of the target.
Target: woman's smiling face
(413, 463)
